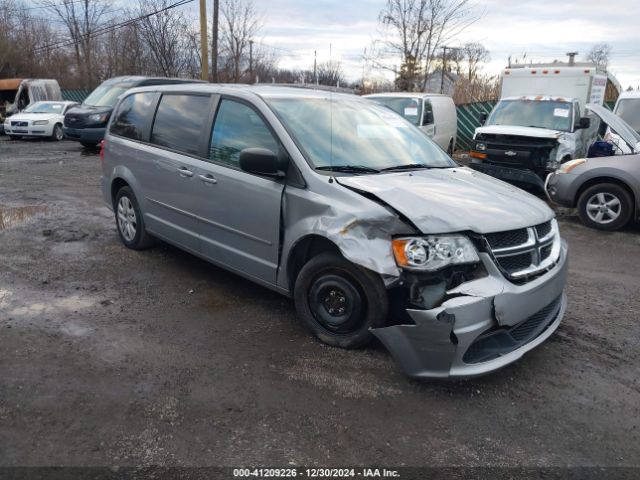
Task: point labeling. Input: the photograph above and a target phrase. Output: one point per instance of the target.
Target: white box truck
(538, 122)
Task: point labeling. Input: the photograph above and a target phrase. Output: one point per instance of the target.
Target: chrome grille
(525, 252)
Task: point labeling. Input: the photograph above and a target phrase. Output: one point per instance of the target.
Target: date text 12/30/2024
(315, 473)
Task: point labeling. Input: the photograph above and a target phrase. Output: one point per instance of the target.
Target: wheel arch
(116, 184)
(304, 250)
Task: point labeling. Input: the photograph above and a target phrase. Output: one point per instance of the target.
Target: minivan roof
(407, 94)
(139, 81)
(264, 91)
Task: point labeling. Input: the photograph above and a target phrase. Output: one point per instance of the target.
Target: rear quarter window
(180, 122)
(134, 115)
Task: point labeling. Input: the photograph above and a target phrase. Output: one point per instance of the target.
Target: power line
(110, 28)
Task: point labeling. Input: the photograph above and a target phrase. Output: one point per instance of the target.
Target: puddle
(12, 216)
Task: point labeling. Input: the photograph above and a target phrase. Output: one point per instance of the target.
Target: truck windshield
(533, 113)
(409, 108)
(341, 133)
(105, 95)
(629, 110)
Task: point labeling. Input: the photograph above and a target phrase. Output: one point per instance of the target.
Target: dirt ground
(115, 357)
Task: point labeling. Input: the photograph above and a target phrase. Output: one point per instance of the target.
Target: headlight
(434, 252)
(481, 147)
(98, 118)
(570, 165)
(41, 122)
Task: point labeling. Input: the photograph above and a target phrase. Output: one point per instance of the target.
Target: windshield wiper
(410, 166)
(348, 168)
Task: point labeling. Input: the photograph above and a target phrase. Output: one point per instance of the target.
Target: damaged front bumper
(485, 325)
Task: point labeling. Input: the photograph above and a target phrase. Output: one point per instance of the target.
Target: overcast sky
(544, 29)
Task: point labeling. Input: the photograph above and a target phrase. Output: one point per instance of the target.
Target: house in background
(436, 80)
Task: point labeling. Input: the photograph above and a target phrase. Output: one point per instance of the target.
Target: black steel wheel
(339, 301)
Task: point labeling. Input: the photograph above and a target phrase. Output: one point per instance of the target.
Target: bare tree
(81, 19)
(600, 54)
(166, 38)
(330, 73)
(475, 54)
(414, 30)
(240, 24)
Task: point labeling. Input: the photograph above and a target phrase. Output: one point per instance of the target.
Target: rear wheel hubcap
(127, 221)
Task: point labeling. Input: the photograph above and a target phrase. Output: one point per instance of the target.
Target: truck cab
(527, 137)
(538, 124)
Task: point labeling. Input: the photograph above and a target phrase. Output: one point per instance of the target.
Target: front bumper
(84, 135)
(31, 131)
(561, 189)
(462, 337)
(508, 174)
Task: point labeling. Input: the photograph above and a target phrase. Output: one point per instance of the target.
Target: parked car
(435, 114)
(538, 123)
(628, 108)
(605, 190)
(346, 207)
(17, 93)
(40, 119)
(86, 123)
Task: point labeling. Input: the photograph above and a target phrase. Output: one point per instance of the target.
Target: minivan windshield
(356, 136)
(629, 110)
(105, 95)
(533, 113)
(44, 107)
(409, 108)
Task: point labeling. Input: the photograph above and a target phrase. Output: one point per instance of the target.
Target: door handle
(208, 178)
(184, 172)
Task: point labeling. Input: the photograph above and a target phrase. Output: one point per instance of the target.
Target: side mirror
(483, 118)
(261, 161)
(427, 118)
(585, 122)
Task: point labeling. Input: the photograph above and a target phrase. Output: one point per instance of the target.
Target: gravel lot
(115, 357)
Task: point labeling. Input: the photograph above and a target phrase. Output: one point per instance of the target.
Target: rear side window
(180, 122)
(133, 116)
(237, 127)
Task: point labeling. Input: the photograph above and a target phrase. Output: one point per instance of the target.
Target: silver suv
(348, 208)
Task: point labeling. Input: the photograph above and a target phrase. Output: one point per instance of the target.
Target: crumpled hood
(520, 131)
(454, 200)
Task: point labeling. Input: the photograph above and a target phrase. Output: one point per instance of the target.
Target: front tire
(339, 302)
(58, 134)
(129, 221)
(605, 206)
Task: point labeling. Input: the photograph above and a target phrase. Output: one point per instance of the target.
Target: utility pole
(250, 61)
(572, 58)
(214, 42)
(204, 54)
(315, 67)
(444, 66)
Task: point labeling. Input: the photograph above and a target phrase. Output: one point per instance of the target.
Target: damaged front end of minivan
(503, 297)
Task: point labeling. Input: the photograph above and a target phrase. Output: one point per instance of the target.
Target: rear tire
(57, 134)
(130, 222)
(339, 301)
(605, 206)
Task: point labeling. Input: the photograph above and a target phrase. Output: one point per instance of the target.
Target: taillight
(102, 145)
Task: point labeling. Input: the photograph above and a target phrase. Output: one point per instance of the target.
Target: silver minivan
(349, 209)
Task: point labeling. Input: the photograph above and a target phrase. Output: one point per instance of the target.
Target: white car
(40, 119)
